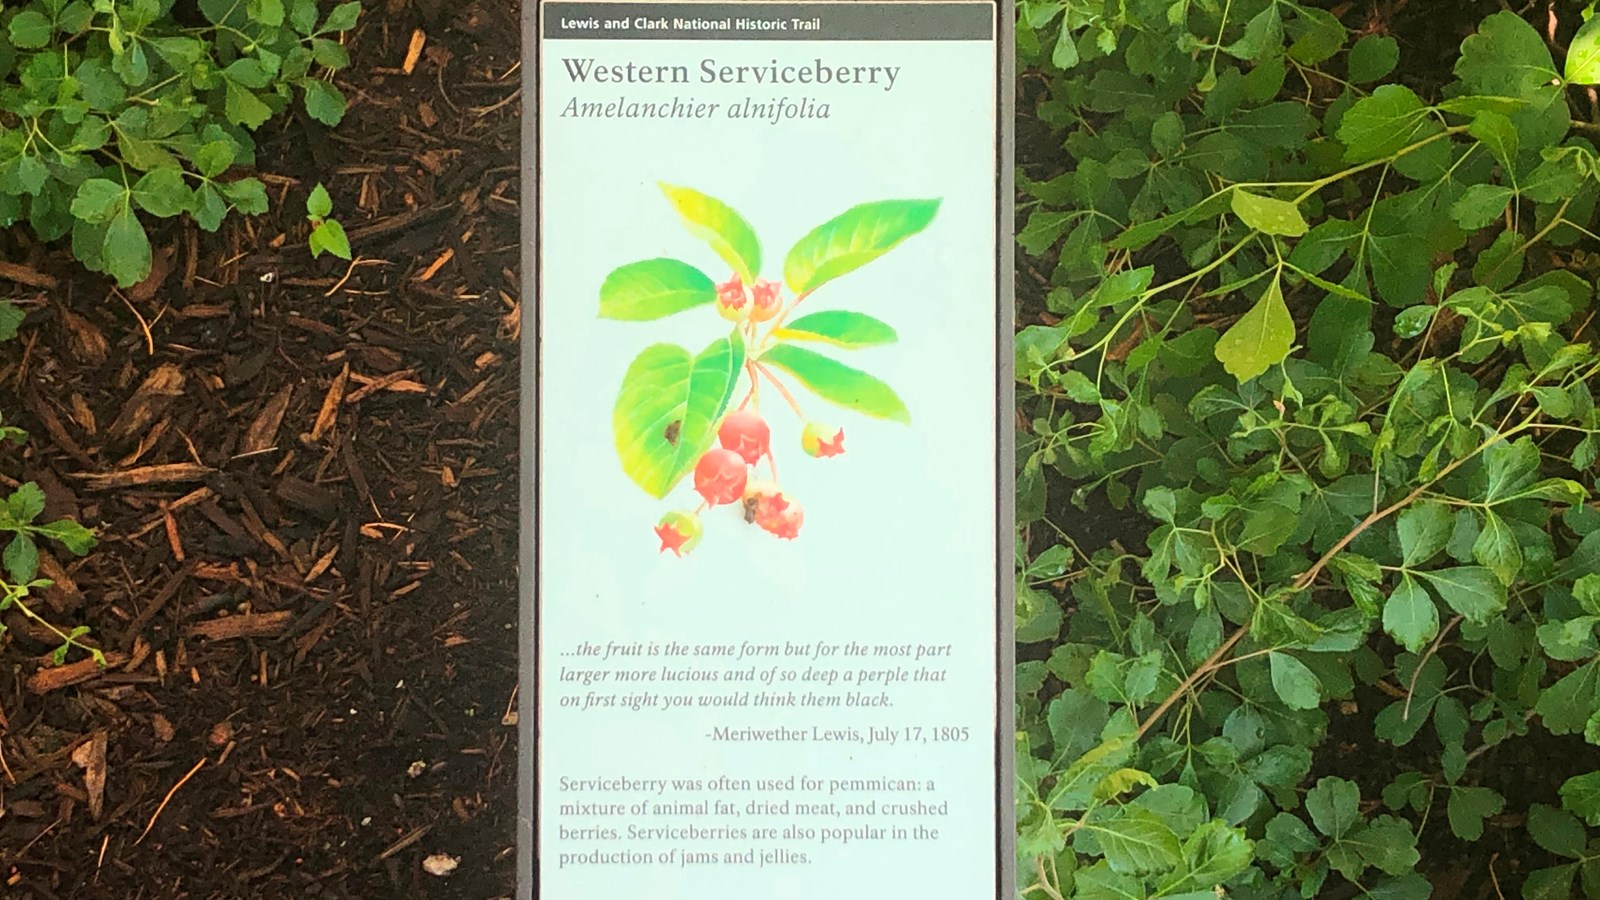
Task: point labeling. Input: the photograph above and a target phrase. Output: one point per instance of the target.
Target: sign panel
(767, 537)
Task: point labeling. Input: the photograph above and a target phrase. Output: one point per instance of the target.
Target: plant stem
(781, 389)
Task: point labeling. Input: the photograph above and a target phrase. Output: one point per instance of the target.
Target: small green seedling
(327, 235)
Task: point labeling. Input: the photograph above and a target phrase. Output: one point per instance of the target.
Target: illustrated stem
(754, 397)
(778, 322)
(781, 389)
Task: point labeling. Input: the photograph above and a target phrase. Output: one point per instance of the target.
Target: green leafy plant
(1329, 336)
(327, 235)
(673, 405)
(21, 531)
(115, 113)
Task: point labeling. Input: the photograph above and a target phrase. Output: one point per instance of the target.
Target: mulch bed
(304, 475)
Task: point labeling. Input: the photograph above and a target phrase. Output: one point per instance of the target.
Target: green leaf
(329, 54)
(1553, 883)
(70, 534)
(10, 320)
(1380, 125)
(318, 203)
(1424, 529)
(98, 199)
(1583, 54)
(1262, 34)
(839, 328)
(30, 29)
(1409, 615)
(342, 17)
(1498, 548)
(1137, 842)
(1469, 806)
(1101, 882)
(716, 223)
(1556, 830)
(838, 383)
(1480, 205)
(243, 107)
(1580, 795)
(329, 237)
(1413, 320)
(654, 288)
(663, 387)
(1211, 856)
(1373, 57)
(126, 248)
(215, 157)
(249, 196)
(1498, 134)
(1565, 707)
(1472, 591)
(1297, 686)
(25, 503)
(1260, 339)
(162, 192)
(852, 239)
(324, 102)
(1334, 805)
(1268, 215)
(21, 559)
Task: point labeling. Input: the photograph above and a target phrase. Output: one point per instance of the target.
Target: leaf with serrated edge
(852, 239)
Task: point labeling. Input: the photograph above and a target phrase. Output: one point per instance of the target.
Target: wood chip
(170, 473)
(91, 758)
(330, 405)
(149, 402)
(245, 626)
(262, 435)
(419, 39)
(24, 275)
(56, 677)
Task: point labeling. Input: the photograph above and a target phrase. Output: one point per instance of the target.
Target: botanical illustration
(675, 413)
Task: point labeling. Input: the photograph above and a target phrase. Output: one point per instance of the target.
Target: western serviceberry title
(710, 71)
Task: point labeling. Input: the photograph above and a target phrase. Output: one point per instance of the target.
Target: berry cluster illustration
(675, 417)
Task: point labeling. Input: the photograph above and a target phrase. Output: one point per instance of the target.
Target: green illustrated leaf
(668, 407)
(852, 239)
(654, 288)
(716, 223)
(850, 330)
(1260, 339)
(1268, 215)
(838, 383)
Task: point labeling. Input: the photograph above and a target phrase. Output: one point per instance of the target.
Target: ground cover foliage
(1319, 323)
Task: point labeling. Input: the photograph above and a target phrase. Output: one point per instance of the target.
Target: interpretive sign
(767, 531)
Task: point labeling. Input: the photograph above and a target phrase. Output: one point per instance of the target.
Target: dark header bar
(746, 21)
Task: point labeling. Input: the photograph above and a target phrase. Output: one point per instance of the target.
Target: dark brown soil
(311, 606)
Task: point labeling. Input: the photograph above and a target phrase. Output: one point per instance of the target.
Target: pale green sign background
(898, 540)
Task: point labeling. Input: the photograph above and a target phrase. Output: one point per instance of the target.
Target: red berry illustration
(720, 476)
(733, 303)
(679, 532)
(764, 300)
(746, 433)
(781, 516)
(822, 440)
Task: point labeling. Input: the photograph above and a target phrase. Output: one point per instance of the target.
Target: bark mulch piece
(304, 473)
